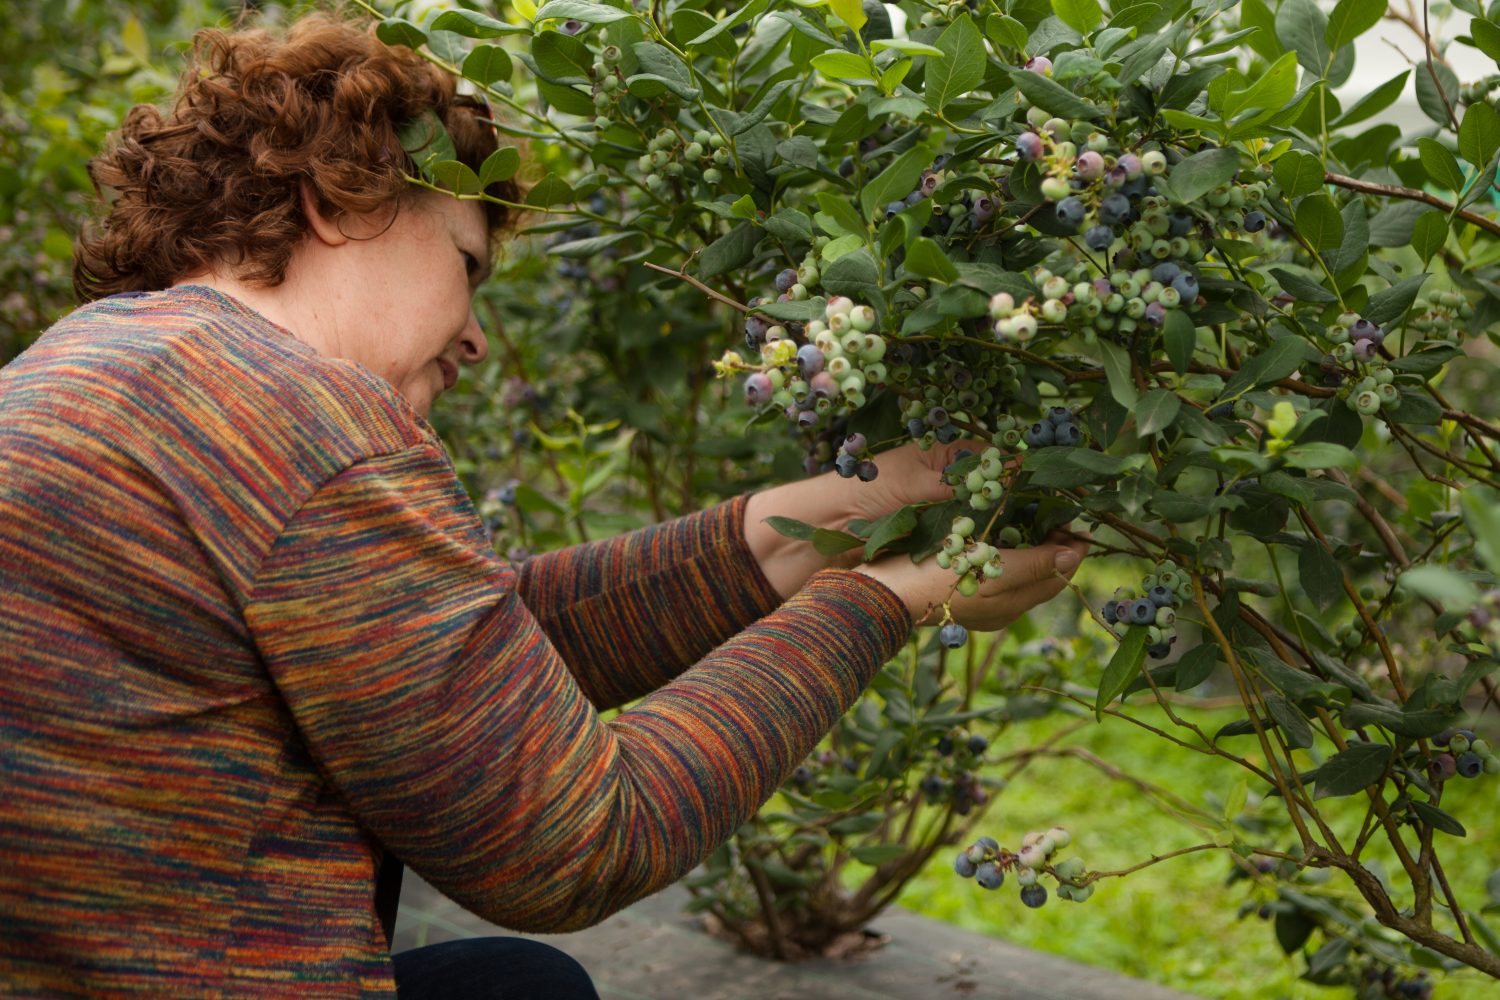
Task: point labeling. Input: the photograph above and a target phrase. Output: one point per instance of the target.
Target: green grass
(1175, 922)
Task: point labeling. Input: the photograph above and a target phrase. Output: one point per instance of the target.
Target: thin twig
(1412, 194)
(711, 293)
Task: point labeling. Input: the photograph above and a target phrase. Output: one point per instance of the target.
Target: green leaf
(487, 64)
(565, 97)
(454, 175)
(897, 524)
(1441, 165)
(851, 12)
(791, 528)
(399, 31)
(1080, 15)
(1117, 373)
(1293, 724)
(1319, 574)
(1298, 173)
(752, 9)
(831, 543)
(1122, 668)
(1006, 32)
(426, 140)
(1181, 337)
(1354, 769)
(926, 258)
(895, 181)
(1155, 411)
(733, 249)
(1319, 455)
(1433, 99)
(908, 46)
(561, 57)
(1352, 18)
(960, 69)
(1479, 134)
(1270, 92)
(1387, 307)
(845, 66)
(588, 247)
(876, 854)
(1438, 819)
(1486, 37)
(1196, 665)
(1374, 102)
(1414, 722)
(838, 217)
(579, 10)
(1302, 27)
(1200, 173)
(1319, 222)
(855, 275)
(1303, 288)
(1049, 95)
(1428, 235)
(472, 24)
(1482, 518)
(1439, 583)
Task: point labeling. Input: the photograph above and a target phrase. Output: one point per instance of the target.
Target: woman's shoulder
(196, 354)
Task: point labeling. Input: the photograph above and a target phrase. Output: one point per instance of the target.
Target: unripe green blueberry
(1365, 403)
(654, 181)
(1154, 162)
(712, 176)
(1055, 189)
(721, 156)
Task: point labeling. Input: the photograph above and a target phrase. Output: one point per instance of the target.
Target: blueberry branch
(1412, 194)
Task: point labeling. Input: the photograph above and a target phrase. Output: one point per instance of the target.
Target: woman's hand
(907, 476)
(1031, 577)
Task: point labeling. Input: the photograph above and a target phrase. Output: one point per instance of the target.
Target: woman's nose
(473, 347)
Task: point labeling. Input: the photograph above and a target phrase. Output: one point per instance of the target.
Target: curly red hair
(217, 179)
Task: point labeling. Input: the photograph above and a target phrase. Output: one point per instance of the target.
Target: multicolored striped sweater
(253, 630)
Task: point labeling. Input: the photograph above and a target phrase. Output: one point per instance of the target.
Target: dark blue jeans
(492, 968)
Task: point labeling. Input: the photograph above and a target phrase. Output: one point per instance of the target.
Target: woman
(256, 640)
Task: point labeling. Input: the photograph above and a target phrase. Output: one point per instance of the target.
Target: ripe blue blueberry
(1179, 223)
(945, 744)
(1041, 434)
(937, 417)
(1070, 212)
(1470, 764)
(1029, 146)
(1142, 611)
(978, 744)
(1365, 330)
(988, 842)
(933, 787)
(916, 427)
(1034, 895)
(846, 465)
(1099, 237)
(846, 167)
(989, 876)
(963, 866)
(809, 360)
(947, 433)
(1255, 221)
(1156, 313)
(507, 494)
(1108, 613)
(867, 471)
(786, 279)
(953, 635)
(1161, 596)
(1114, 209)
(855, 443)
(1166, 272)
(1067, 435)
(893, 208)
(1060, 415)
(1186, 286)
(1159, 650)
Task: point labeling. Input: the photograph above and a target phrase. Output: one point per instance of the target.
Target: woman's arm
(446, 720)
(670, 593)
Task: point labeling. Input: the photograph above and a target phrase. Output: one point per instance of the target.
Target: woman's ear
(321, 227)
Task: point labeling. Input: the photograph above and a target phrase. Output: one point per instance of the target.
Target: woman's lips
(450, 373)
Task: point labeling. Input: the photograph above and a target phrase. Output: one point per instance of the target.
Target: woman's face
(416, 281)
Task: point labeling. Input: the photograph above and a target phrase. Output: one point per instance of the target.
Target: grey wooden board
(655, 951)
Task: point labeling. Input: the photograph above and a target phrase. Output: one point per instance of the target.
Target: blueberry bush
(1162, 284)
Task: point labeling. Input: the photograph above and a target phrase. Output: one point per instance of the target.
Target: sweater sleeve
(665, 595)
(439, 711)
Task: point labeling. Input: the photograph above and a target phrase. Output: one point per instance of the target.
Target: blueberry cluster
(953, 775)
(1468, 756)
(822, 378)
(1439, 315)
(987, 863)
(1356, 349)
(1155, 608)
(1124, 302)
(1384, 982)
(669, 154)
